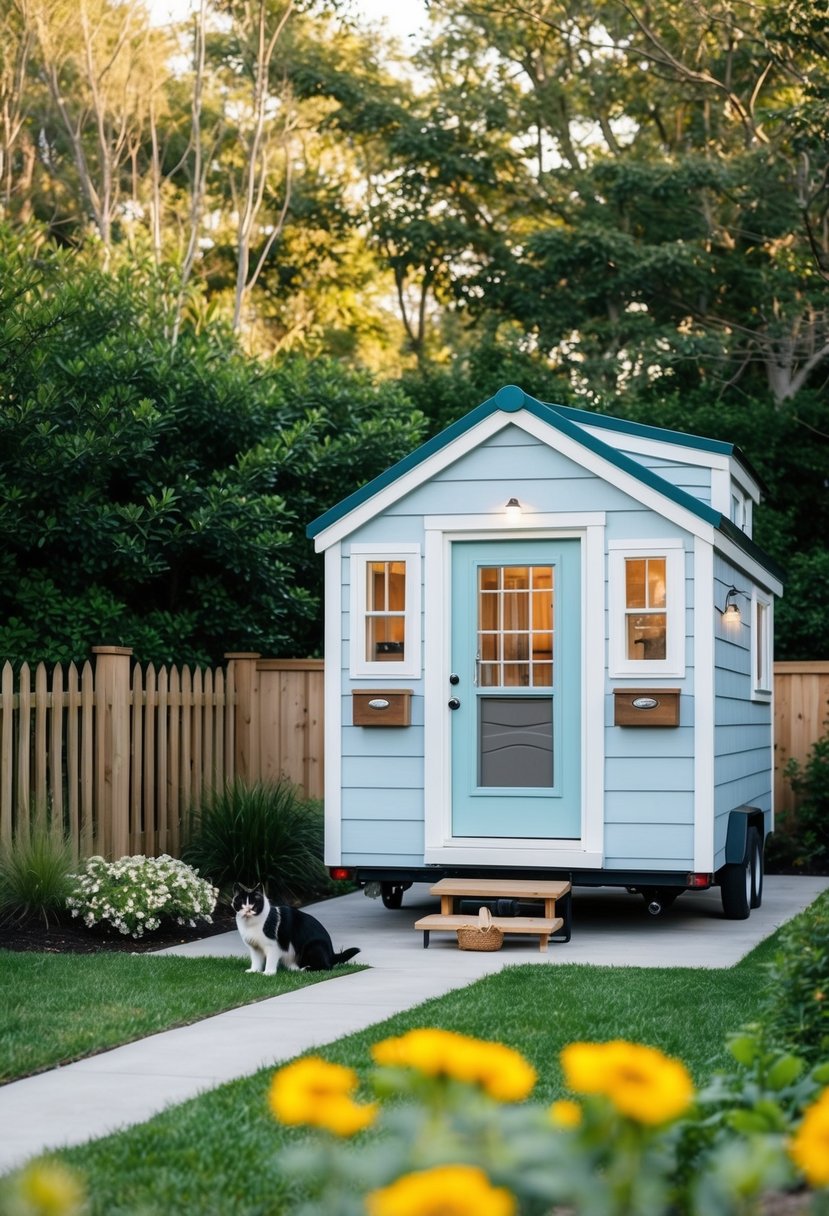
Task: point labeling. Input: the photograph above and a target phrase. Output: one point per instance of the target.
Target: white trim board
(332, 686)
(703, 709)
(440, 845)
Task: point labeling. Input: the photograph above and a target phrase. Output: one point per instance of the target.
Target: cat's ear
(238, 889)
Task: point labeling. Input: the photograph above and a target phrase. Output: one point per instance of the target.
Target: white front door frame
(440, 847)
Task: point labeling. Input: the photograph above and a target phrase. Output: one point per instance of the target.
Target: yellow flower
(641, 1082)
(312, 1091)
(51, 1190)
(445, 1190)
(809, 1148)
(502, 1072)
(565, 1113)
(583, 1065)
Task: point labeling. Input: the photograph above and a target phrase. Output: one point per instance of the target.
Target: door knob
(454, 703)
(454, 678)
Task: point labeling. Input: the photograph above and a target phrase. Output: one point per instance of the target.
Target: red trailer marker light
(340, 872)
(699, 882)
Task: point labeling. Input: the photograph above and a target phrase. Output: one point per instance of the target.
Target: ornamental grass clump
(35, 875)
(264, 833)
(633, 1137)
(136, 895)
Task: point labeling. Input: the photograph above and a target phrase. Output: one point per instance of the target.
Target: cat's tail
(345, 955)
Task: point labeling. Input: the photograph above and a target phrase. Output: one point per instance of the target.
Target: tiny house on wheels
(549, 654)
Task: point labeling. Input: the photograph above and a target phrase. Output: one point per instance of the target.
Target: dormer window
(740, 513)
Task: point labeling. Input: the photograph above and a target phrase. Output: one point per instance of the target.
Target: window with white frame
(761, 645)
(385, 611)
(647, 608)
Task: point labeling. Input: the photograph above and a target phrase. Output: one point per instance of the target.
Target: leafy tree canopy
(157, 496)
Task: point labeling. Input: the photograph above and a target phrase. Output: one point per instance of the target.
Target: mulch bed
(72, 937)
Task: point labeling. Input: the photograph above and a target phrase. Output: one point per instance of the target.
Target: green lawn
(59, 1008)
(216, 1153)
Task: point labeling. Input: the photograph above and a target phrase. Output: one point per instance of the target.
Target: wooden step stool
(545, 927)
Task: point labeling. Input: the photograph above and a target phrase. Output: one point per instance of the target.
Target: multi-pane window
(385, 617)
(646, 598)
(385, 611)
(646, 619)
(516, 626)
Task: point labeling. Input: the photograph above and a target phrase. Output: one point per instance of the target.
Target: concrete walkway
(129, 1084)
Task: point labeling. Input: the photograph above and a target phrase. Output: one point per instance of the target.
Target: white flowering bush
(136, 894)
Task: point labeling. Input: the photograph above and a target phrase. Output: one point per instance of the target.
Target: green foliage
(35, 874)
(262, 833)
(802, 841)
(796, 1010)
(138, 894)
(156, 496)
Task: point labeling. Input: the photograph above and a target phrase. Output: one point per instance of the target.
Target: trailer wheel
(755, 846)
(392, 894)
(737, 884)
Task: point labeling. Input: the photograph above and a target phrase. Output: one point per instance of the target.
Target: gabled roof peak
(577, 425)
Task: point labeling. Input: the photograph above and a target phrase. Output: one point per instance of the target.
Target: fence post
(112, 697)
(243, 679)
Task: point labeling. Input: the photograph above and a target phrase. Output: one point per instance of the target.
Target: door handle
(454, 703)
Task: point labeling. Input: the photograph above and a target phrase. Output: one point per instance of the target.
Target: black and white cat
(275, 933)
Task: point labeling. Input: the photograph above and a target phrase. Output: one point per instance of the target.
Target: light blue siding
(652, 845)
(408, 741)
(743, 744)
(387, 772)
(365, 838)
(393, 804)
(691, 477)
(661, 773)
(666, 744)
(646, 807)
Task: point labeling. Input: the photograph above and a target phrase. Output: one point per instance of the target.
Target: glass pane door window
(516, 623)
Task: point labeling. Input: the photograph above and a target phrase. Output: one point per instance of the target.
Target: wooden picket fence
(117, 757)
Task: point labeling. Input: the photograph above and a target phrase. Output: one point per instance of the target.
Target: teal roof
(570, 422)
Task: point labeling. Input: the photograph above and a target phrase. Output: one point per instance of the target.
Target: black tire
(757, 867)
(391, 895)
(737, 886)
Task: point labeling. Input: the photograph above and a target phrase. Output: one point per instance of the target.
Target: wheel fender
(739, 821)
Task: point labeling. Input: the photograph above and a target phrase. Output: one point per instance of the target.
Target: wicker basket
(483, 936)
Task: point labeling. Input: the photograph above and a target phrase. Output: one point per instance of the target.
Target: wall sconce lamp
(513, 509)
(731, 611)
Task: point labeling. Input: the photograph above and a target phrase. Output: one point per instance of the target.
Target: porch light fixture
(731, 611)
(513, 508)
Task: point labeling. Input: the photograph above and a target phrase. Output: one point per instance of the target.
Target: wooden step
(539, 926)
(545, 890)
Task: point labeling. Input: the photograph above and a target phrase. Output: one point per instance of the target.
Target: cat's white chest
(250, 930)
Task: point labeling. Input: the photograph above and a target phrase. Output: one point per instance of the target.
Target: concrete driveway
(132, 1083)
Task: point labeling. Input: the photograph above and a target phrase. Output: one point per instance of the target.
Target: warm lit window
(647, 608)
(761, 645)
(646, 620)
(385, 611)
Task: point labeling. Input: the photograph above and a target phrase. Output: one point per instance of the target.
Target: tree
(663, 235)
(154, 496)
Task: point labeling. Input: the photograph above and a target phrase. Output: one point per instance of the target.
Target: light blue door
(515, 689)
